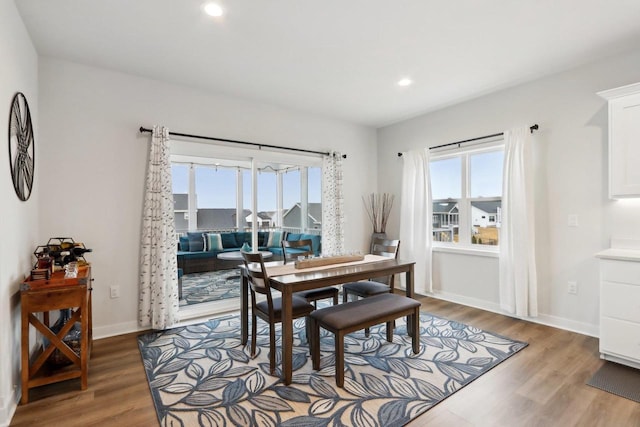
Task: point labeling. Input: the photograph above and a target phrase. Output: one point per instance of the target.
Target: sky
(486, 176)
(216, 188)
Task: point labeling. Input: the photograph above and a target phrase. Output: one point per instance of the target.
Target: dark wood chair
(377, 286)
(269, 310)
(304, 248)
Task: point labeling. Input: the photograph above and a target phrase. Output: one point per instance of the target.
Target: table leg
(409, 279)
(287, 336)
(25, 356)
(244, 308)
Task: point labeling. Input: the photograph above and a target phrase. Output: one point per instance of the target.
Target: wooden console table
(43, 296)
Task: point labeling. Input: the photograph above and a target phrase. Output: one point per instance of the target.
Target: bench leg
(339, 336)
(390, 331)
(415, 338)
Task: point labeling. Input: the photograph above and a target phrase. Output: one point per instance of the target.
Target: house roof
(445, 207)
(180, 202)
(219, 218)
(488, 207)
(314, 211)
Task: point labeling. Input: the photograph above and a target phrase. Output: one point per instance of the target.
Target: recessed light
(405, 82)
(213, 9)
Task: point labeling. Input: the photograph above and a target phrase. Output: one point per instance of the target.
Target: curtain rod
(531, 128)
(260, 146)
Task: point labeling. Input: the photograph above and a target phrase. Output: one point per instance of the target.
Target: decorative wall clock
(21, 147)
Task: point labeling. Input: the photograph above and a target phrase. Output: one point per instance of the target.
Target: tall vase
(375, 236)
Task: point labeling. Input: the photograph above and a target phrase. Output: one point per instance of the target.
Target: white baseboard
(117, 329)
(543, 319)
(8, 406)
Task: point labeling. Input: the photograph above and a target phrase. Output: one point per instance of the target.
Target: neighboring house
(445, 214)
(220, 218)
(292, 217)
(207, 218)
(265, 219)
(181, 212)
(486, 214)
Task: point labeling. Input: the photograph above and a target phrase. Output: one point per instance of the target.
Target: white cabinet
(624, 140)
(620, 306)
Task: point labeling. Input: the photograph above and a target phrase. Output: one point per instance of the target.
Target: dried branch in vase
(378, 207)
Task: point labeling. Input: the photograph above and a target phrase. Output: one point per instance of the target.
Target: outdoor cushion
(243, 237)
(213, 242)
(315, 242)
(229, 240)
(183, 244)
(196, 242)
(275, 237)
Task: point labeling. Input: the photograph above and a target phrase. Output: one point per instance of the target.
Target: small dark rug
(210, 286)
(201, 375)
(618, 379)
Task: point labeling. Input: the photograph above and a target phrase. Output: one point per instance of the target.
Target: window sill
(483, 252)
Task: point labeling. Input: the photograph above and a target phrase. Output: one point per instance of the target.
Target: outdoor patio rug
(201, 375)
(617, 379)
(210, 286)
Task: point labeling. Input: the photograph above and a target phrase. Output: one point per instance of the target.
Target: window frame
(465, 219)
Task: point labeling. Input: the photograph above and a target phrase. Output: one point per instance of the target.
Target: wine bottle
(80, 251)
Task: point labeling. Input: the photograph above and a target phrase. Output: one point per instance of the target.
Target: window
(215, 195)
(466, 188)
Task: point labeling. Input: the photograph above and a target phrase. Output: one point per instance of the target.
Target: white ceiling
(339, 58)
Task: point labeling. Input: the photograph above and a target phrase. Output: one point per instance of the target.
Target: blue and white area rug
(210, 286)
(200, 375)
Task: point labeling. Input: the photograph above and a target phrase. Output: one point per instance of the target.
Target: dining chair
(376, 286)
(305, 248)
(269, 310)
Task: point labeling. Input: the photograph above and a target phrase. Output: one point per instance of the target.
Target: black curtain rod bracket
(531, 128)
(253, 144)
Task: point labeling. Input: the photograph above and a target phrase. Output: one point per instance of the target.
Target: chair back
(258, 277)
(387, 248)
(305, 244)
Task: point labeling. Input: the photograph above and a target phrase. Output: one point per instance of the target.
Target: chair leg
(272, 348)
(339, 359)
(314, 343)
(366, 332)
(335, 299)
(307, 330)
(254, 329)
(390, 331)
(345, 295)
(415, 339)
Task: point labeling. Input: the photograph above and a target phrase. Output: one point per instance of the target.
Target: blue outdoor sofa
(198, 251)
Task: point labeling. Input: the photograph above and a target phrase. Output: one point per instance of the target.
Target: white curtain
(416, 216)
(518, 282)
(158, 305)
(332, 204)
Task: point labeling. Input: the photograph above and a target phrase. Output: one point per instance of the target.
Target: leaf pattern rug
(200, 375)
(210, 286)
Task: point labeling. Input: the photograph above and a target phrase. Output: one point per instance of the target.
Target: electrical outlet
(572, 287)
(115, 291)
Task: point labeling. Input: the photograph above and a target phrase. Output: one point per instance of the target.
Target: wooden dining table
(287, 280)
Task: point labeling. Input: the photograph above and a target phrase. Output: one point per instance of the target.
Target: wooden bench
(353, 316)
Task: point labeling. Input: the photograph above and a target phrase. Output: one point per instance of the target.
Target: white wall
(571, 167)
(94, 163)
(18, 224)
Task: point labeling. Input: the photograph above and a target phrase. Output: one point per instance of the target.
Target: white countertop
(620, 254)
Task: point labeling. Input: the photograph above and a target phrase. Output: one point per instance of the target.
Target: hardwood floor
(543, 385)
